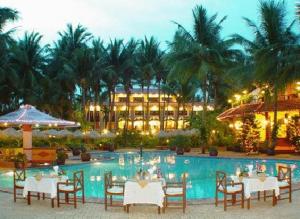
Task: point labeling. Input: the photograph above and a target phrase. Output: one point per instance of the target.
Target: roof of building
(239, 111)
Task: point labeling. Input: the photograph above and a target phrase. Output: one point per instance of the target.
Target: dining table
(144, 192)
(258, 183)
(46, 184)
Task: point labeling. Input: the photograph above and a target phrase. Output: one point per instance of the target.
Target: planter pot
(188, 149)
(20, 165)
(60, 162)
(85, 157)
(180, 151)
(213, 153)
(270, 152)
(111, 149)
(172, 148)
(76, 152)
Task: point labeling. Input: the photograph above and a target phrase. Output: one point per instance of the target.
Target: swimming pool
(200, 170)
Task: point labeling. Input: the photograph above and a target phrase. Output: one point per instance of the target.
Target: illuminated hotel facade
(288, 111)
(165, 118)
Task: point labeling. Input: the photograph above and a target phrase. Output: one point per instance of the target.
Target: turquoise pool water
(201, 171)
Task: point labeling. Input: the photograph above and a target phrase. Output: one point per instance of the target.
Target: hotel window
(170, 113)
(167, 99)
(183, 113)
(153, 99)
(138, 99)
(154, 113)
(122, 99)
(138, 113)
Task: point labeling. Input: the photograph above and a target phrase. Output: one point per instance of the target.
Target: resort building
(263, 112)
(161, 110)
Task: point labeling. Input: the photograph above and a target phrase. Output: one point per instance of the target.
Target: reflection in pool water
(200, 171)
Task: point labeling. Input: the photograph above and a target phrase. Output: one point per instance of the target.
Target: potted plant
(180, 142)
(61, 157)
(20, 161)
(213, 151)
(75, 150)
(85, 156)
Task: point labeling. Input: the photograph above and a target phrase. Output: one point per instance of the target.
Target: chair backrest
(107, 179)
(78, 180)
(221, 181)
(284, 174)
(19, 175)
(184, 183)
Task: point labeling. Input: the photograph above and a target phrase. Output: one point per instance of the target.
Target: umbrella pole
(27, 141)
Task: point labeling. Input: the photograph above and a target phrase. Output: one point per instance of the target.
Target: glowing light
(213, 131)
(229, 101)
(117, 133)
(245, 91)
(98, 178)
(237, 96)
(50, 125)
(105, 131)
(231, 125)
(78, 123)
(37, 125)
(286, 121)
(98, 108)
(92, 178)
(55, 124)
(5, 124)
(92, 108)
(263, 92)
(238, 124)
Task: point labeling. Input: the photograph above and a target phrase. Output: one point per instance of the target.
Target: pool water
(200, 170)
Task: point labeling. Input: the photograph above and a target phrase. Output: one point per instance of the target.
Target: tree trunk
(164, 113)
(168, 102)
(192, 112)
(159, 111)
(275, 126)
(147, 110)
(143, 107)
(177, 114)
(111, 110)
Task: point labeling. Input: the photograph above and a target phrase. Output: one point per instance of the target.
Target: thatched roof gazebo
(27, 116)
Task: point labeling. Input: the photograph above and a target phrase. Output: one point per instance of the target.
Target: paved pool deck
(42, 210)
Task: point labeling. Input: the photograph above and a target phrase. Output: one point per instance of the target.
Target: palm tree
(149, 61)
(29, 60)
(114, 58)
(197, 52)
(127, 74)
(8, 76)
(274, 51)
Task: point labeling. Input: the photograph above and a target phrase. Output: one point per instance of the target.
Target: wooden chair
(228, 189)
(285, 181)
(112, 188)
(71, 187)
(19, 182)
(175, 190)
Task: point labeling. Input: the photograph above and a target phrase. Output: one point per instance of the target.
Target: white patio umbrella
(38, 133)
(51, 132)
(11, 132)
(65, 133)
(77, 134)
(26, 116)
(93, 134)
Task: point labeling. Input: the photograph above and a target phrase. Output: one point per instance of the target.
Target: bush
(180, 141)
(10, 143)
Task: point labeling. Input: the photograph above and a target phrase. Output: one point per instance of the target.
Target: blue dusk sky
(130, 18)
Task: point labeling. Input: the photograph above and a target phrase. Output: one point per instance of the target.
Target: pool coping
(208, 200)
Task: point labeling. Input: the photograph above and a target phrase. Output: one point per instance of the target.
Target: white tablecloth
(254, 184)
(45, 185)
(152, 193)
